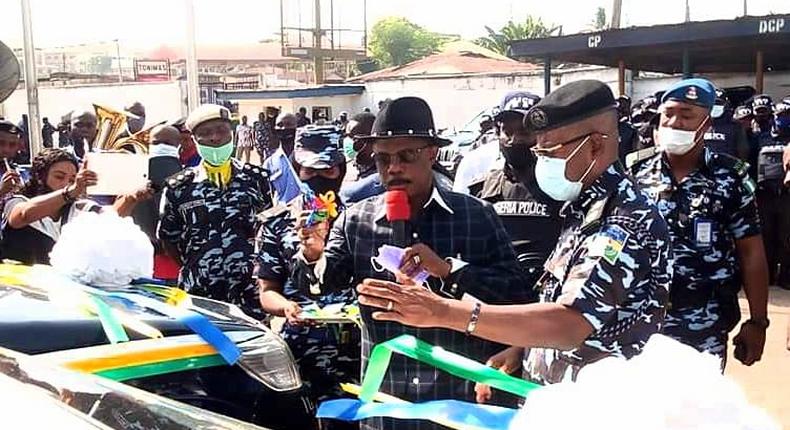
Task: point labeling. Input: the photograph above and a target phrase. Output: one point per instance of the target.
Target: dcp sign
(772, 25)
(593, 41)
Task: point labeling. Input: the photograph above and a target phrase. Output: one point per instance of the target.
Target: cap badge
(538, 118)
(691, 94)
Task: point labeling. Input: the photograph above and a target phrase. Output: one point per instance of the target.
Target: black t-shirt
(531, 218)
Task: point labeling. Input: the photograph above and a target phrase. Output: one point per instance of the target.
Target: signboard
(151, 70)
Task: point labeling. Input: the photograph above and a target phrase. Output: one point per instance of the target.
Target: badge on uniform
(703, 233)
(609, 243)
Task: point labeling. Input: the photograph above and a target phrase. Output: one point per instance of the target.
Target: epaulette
(255, 170)
(181, 178)
(726, 161)
(634, 160)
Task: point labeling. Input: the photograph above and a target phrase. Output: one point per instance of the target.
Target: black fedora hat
(406, 117)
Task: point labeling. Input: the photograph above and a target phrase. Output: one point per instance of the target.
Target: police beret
(9, 127)
(318, 147)
(570, 103)
(205, 113)
(696, 91)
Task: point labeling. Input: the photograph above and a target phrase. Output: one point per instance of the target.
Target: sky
(145, 24)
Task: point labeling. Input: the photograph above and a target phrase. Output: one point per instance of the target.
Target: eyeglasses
(404, 156)
(554, 147)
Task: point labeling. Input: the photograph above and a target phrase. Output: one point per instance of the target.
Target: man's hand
(419, 257)
(410, 305)
(292, 312)
(507, 361)
(312, 238)
(9, 182)
(749, 343)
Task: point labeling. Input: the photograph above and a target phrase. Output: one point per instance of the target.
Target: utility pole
(193, 93)
(31, 81)
(745, 8)
(118, 54)
(688, 11)
(617, 6)
(318, 56)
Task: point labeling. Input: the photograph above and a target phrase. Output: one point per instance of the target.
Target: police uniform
(612, 261)
(328, 354)
(213, 229)
(707, 211)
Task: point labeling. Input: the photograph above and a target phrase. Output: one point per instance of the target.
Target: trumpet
(111, 123)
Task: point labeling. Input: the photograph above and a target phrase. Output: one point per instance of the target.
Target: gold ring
(390, 305)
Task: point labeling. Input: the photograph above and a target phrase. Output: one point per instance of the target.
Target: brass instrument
(110, 124)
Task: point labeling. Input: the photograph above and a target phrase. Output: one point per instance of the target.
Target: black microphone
(398, 214)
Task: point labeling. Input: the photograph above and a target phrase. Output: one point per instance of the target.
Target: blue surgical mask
(550, 174)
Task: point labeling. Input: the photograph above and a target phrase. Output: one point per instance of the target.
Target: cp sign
(594, 41)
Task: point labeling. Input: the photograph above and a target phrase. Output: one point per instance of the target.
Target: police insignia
(538, 118)
(609, 243)
(691, 94)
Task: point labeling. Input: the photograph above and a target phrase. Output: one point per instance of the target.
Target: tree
(599, 22)
(531, 28)
(395, 41)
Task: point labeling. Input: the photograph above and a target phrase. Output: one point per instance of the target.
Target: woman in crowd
(33, 219)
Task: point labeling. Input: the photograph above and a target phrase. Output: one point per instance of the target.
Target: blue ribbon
(195, 321)
(455, 411)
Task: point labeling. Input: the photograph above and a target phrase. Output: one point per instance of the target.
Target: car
(39, 396)
(45, 317)
(464, 140)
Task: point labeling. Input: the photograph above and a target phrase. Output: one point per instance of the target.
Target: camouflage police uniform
(213, 230)
(327, 355)
(706, 212)
(612, 265)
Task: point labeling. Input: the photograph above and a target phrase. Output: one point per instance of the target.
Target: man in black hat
(725, 135)
(606, 284)
(10, 143)
(455, 240)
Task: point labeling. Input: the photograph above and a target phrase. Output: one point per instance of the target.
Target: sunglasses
(404, 156)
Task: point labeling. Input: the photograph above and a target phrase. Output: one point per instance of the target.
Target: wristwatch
(763, 323)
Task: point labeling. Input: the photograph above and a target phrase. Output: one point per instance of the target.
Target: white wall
(776, 84)
(350, 103)
(162, 100)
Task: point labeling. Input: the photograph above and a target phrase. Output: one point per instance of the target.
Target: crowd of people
(588, 226)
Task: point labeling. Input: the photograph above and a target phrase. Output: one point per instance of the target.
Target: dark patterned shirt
(707, 211)
(454, 226)
(612, 265)
(214, 231)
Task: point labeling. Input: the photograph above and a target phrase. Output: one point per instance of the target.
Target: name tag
(703, 233)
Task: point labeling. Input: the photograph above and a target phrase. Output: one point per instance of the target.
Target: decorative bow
(322, 207)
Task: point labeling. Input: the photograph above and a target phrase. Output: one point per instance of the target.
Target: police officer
(725, 135)
(326, 355)
(208, 214)
(781, 133)
(607, 281)
(708, 201)
(629, 138)
(531, 218)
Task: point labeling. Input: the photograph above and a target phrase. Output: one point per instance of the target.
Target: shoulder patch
(181, 178)
(609, 243)
(738, 167)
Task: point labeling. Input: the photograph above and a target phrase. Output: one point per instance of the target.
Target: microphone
(398, 214)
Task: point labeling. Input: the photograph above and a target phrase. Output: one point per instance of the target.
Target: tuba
(110, 124)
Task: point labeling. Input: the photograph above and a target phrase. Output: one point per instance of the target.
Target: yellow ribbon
(328, 200)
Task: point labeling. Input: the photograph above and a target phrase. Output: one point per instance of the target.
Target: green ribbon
(440, 358)
(111, 325)
(162, 368)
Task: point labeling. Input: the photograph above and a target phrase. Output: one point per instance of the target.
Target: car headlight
(268, 359)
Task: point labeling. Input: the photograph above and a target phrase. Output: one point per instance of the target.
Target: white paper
(117, 172)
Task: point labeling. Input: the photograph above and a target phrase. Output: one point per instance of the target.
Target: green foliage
(395, 41)
(531, 28)
(599, 23)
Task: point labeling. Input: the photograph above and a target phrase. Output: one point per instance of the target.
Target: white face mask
(717, 111)
(677, 142)
(550, 174)
(162, 150)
